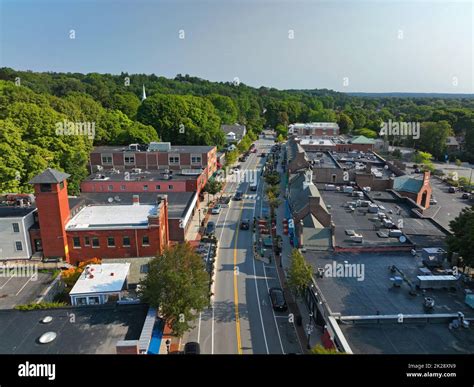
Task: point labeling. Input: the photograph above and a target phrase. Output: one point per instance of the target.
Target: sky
(344, 45)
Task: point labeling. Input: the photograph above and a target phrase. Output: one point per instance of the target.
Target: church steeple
(143, 94)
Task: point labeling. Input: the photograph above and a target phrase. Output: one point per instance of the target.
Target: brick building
(76, 231)
(160, 156)
(419, 190)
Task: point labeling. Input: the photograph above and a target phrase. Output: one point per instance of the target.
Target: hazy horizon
(345, 46)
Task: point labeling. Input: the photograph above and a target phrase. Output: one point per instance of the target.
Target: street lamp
(309, 329)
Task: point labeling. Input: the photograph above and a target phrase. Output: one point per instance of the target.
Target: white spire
(143, 94)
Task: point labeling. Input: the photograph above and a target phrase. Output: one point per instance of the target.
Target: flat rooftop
(173, 149)
(15, 212)
(325, 161)
(104, 278)
(94, 329)
(360, 221)
(112, 216)
(316, 141)
(178, 202)
(108, 175)
(375, 293)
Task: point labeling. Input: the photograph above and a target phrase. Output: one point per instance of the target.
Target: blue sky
(351, 45)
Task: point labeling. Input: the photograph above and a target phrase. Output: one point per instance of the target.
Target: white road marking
(199, 329)
(9, 279)
(26, 283)
(212, 331)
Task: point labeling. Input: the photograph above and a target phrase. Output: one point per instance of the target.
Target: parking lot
(22, 290)
(449, 204)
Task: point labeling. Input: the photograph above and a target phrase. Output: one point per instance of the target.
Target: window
(110, 242)
(106, 159)
(158, 187)
(76, 241)
(126, 241)
(145, 241)
(45, 188)
(111, 187)
(170, 187)
(144, 268)
(122, 187)
(173, 159)
(18, 246)
(95, 243)
(61, 185)
(145, 187)
(16, 227)
(87, 241)
(130, 159)
(195, 159)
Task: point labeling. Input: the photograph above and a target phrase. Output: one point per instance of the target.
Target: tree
(345, 123)
(300, 273)
(213, 187)
(462, 239)
(433, 136)
(280, 138)
(231, 157)
(424, 158)
(226, 108)
(177, 285)
(369, 133)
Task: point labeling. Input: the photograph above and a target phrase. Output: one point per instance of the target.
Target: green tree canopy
(177, 285)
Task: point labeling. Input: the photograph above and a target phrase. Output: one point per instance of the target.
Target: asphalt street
(241, 319)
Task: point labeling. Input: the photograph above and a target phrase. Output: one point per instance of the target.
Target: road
(241, 319)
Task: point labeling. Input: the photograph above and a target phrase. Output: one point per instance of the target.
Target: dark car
(452, 190)
(238, 195)
(245, 224)
(192, 348)
(210, 228)
(277, 298)
(466, 195)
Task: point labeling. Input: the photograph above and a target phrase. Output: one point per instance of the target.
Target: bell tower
(53, 212)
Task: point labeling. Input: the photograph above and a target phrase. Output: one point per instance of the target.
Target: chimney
(308, 178)
(136, 199)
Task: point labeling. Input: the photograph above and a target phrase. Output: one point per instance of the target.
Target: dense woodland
(31, 105)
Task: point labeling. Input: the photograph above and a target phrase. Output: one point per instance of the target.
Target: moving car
(210, 228)
(238, 195)
(277, 298)
(192, 348)
(216, 209)
(245, 224)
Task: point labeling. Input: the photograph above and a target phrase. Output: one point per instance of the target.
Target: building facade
(15, 241)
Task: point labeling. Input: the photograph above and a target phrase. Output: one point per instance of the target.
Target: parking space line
(9, 279)
(26, 283)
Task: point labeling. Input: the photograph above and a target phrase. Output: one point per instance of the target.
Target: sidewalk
(297, 307)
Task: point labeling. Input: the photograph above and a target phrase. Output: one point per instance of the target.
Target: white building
(314, 129)
(15, 223)
(98, 283)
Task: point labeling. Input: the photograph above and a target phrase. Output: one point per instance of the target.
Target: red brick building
(109, 230)
(419, 190)
(160, 156)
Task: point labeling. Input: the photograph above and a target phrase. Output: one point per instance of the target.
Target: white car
(216, 209)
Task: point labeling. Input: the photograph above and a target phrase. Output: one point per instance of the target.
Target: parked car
(238, 195)
(210, 228)
(466, 195)
(253, 187)
(245, 224)
(216, 209)
(452, 190)
(192, 348)
(277, 298)
(433, 201)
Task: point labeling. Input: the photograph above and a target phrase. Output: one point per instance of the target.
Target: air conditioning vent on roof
(47, 337)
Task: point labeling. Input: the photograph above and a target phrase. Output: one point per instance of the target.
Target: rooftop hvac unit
(137, 170)
(133, 147)
(159, 146)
